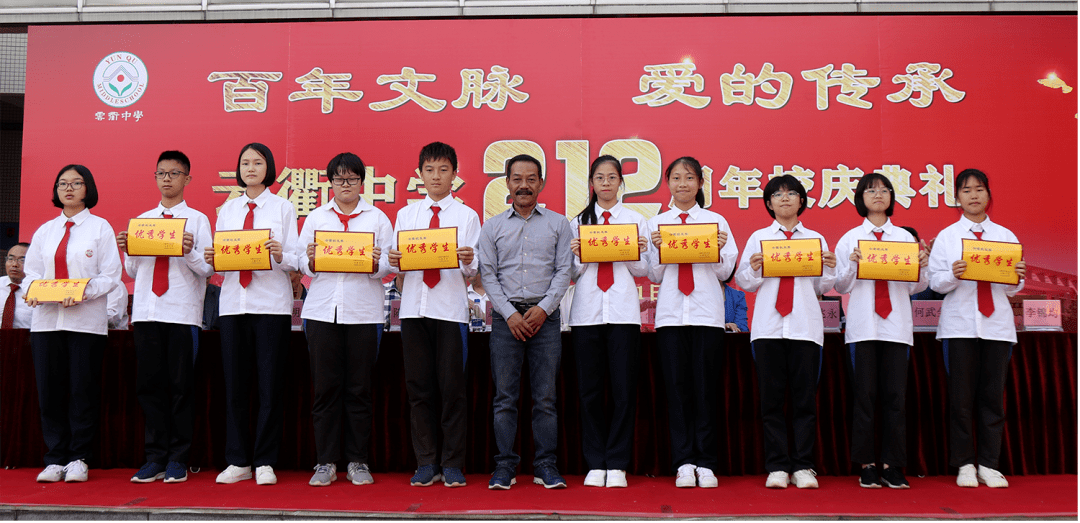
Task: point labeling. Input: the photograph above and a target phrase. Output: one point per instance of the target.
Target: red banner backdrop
(824, 98)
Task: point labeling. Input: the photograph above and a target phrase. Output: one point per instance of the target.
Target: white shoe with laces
(616, 479)
(76, 471)
(966, 477)
(805, 478)
(777, 479)
(264, 475)
(706, 478)
(685, 478)
(232, 474)
(595, 478)
(991, 478)
(51, 474)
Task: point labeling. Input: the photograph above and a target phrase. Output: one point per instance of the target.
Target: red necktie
(686, 270)
(344, 218)
(785, 295)
(605, 277)
(985, 296)
(882, 300)
(9, 308)
(161, 270)
(431, 276)
(60, 271)
(249, 223)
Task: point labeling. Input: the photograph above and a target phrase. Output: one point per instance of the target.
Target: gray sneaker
(359, 474)
(324, 475)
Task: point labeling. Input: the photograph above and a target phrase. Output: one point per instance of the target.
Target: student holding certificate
(167, 312)
(605, 321)
(68, 334)
(788, 330)
(976, 327)
(879, 328)
(435, 317)
(256, 316)
(344, 313)
(690, 316)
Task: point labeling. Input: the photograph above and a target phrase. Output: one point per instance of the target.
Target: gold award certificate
(791, 258)
(242, 250)
(990, 261)
(156, 236)
(689, 243)
(428, 249)
(892, 261)
(337, 251)
(609, 243)
(54, 291)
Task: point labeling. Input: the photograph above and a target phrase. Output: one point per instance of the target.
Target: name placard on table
(337, 251)
(689, 243)
(892, 261)
(156, 236)
(791, 258)
(830, 315)
(54, 291)
(609, 243)
(428, 249)
(991, 261)
(925, 314)
(243, 250)
(1042, 315)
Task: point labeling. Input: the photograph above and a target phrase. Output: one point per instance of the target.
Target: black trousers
(164, 384)
(434, 357)
(690, 358)
(607, 353)
(880, 373)
(783, 364)
(67, 367)
(342, 366)
(261, 339)
(977, 371)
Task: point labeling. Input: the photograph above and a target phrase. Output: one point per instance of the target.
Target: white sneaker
(595, 478)
(991, 478)
(75, 471)
(966, 477)
(706, 478)
(264, 475)
(685, 477)
(616, 479)
(805, 478)
(232, 474)
(51, 474)
(777, 479)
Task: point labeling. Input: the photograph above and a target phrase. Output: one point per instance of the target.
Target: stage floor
(109, 494)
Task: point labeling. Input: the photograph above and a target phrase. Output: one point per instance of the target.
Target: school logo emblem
(89, 253)
(120, 79)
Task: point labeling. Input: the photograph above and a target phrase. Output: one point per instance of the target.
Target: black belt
(523, 307)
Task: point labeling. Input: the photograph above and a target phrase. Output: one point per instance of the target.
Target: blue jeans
(544, 352)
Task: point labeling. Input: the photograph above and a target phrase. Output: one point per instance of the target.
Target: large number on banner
(575, 154)
(495, 157)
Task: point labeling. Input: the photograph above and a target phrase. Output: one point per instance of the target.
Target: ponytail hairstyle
(588, 214)
(694, 166)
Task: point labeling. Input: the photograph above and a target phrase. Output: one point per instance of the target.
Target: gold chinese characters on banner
(609, 243)
(428, 249)
(243, 250)
(689, 243)
(156, 236)
(791, 258)
(54, 291)
(994, 262)
(892, 261)
(337, 251)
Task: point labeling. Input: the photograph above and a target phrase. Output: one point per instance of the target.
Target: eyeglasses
(161, 175)
(63, 186)
(600, 178)
(790, 194)
(345, 182)
(20, 260)
(882, 191)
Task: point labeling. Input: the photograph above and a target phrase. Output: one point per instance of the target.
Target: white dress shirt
(183, 302)
(91, 253)
(705, 305)
(23, 313)
(339, 297)
(449, 300)
(270, 292)
(805, 321)
(863, 322)
(620, 304)
(118, 308)
(960, 317)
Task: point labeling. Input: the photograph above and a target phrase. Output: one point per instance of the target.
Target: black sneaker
(869, 478)
(893, 478)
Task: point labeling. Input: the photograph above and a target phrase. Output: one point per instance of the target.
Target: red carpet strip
(745, 496)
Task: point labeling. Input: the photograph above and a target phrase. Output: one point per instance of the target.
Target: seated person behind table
(734, 307)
